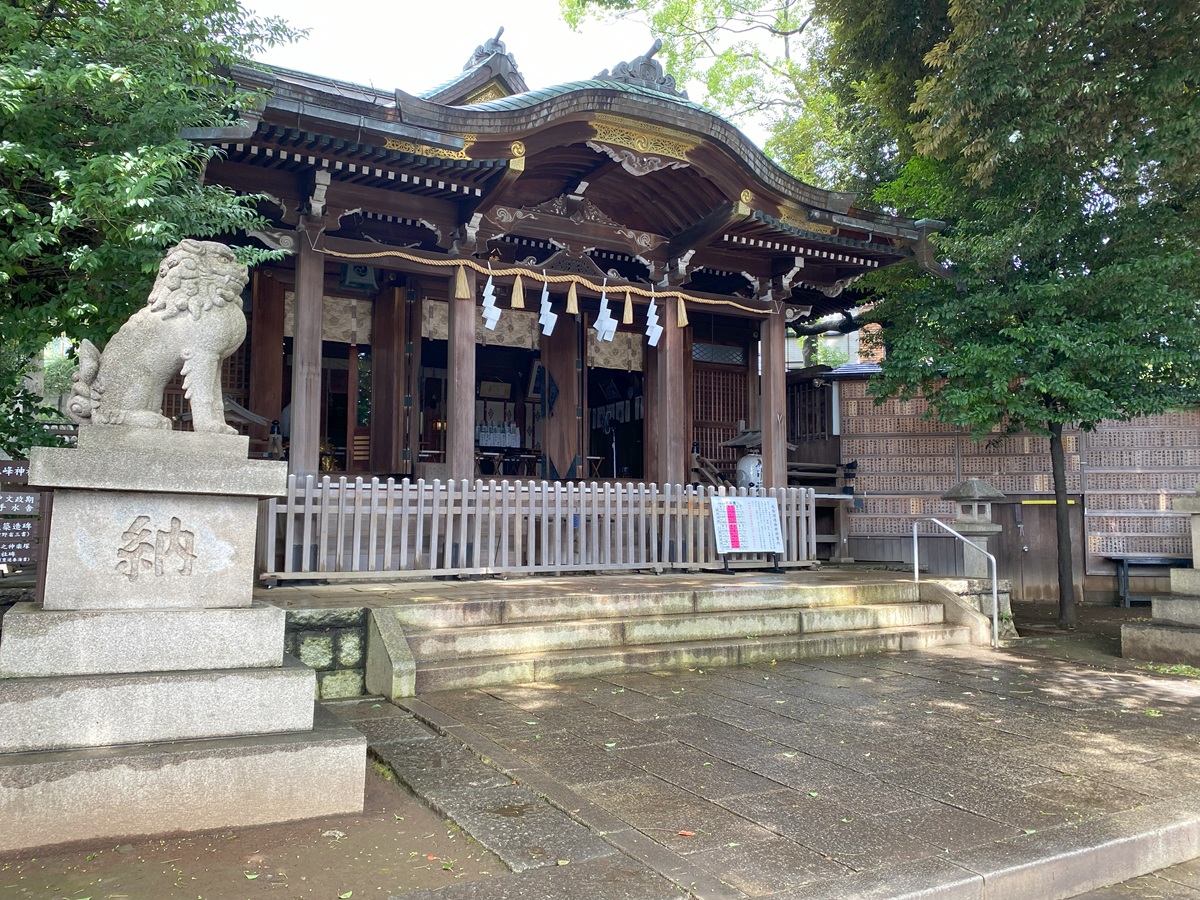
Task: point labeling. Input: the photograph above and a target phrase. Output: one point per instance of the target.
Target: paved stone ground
(879, 776)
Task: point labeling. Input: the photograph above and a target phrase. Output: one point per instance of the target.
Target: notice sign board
(747, 525)
(16, 503)
(18, 553)
(14, 471)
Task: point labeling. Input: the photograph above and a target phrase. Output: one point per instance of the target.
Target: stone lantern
(973, 498)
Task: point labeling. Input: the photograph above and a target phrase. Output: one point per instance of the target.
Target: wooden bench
(1125, 560)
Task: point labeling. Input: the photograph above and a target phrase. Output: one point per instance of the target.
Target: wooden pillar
(773, 338)
(389, 338)
(460, 382)
(304, 456)
(753, 386)
(413, 299)
(668, 426)
(266, 352)
(562, 426)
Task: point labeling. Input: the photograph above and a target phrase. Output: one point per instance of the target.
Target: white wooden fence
(371, 529)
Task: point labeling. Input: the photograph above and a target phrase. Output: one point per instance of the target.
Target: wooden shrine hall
(582, 283)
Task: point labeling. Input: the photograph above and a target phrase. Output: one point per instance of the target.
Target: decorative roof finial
(489, 48)
(644, 71)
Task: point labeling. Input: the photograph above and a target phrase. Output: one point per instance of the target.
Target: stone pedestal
(1173, 635)
(148, 687)
(975, 564)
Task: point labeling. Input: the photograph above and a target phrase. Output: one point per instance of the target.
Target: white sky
(417, 44)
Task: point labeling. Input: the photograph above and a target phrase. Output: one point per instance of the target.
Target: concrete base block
(104, 710)
(40, 643)
(1170, 610)
(1161, 643)
(1185, 582)
(88, 795)
(390, 669)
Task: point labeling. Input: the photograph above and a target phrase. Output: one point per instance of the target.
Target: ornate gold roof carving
(493, 90)
(797, 217)
(426, 150)
(642, 137)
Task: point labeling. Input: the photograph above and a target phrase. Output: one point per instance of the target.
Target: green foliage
(1057, 140)
(1074, 252)
(95, 181)
(752, 59)
(56, 376)
(830, 80)
(831, 355)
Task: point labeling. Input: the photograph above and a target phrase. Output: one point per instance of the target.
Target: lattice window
(721, 354)
(808, 412)
(719, 401)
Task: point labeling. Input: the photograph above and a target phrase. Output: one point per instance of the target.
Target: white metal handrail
(991, 561)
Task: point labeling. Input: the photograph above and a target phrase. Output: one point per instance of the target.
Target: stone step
(79, 711)
(1161, 642)
(574, 634)
(76, 795)
(440, 613)
(40, 643)
(1175, 610)
(561, 665)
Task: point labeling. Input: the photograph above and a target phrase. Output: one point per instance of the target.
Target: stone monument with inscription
(148, 687)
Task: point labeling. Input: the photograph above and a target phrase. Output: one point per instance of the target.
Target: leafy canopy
(1058, 143)
(95, 180)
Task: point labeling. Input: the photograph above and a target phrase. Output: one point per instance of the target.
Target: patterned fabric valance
(516, 327)
(624, 351)
(343, 319)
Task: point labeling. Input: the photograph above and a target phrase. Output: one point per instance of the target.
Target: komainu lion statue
(192, 320)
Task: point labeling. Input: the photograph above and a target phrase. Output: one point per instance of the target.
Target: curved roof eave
(537, 109)
(541, 108)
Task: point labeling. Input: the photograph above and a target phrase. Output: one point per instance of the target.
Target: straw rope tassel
(572, 301)
(627, 316)
(518, 293)
(682, 317)
(461, 291)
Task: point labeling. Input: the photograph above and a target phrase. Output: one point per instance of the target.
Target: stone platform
(148, 693)
(958, 772)
(74, 795)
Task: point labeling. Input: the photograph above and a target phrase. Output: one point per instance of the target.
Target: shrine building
(591, 283)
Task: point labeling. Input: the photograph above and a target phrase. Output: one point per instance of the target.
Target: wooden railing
(388, 529)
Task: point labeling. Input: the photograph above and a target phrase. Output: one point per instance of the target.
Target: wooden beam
(496, 193)
(547, 226)
(705, 229)
(344, 245)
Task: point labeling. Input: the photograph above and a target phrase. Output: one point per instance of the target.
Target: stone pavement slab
(957, 772)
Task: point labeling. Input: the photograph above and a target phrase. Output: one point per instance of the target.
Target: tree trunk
(1062, 524)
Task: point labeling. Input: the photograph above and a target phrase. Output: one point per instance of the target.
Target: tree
(95, 179)
(1057, 141)
(751, 60)
(831, 81)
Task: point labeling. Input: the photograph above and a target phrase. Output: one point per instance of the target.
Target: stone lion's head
(196, 276)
